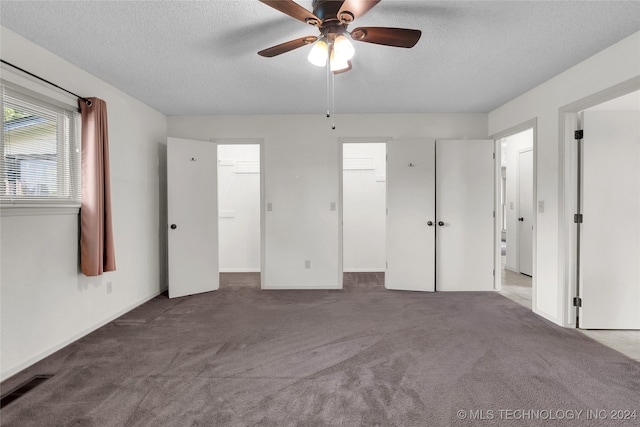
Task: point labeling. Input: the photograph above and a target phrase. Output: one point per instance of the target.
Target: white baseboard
(364, 270)
(239, 270)
(48, 352)
(299, 287)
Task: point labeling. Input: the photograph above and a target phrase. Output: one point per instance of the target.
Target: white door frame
(529, 124)
(341, 141)
(568, 122)
(260, 142)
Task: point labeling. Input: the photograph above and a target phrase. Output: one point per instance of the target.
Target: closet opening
(239, 215)
(364, 214)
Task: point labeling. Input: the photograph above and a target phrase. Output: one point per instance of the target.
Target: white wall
(364, 207)
(614, 65)
(302, 167)
(515, 144)
(45, 302)
(239, 207)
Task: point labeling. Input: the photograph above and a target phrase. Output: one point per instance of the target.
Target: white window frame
(69, 149)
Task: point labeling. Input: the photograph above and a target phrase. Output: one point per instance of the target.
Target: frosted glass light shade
(336, 64)
(319, 53)
(343, 49)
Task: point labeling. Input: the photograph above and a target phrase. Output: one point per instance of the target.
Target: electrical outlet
(109, 287)
(332, 206)
(269, 207)
(541, 206)
(307, 264)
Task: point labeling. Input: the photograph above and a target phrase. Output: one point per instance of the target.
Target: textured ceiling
(199, 57)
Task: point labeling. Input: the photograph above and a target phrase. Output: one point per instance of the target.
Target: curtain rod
(87, 101)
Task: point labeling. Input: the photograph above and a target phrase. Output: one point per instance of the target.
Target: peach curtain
(97, 253)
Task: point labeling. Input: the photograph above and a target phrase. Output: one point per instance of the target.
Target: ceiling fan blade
(287, 46)
(355, 8)
(294, 10)
(398, 37)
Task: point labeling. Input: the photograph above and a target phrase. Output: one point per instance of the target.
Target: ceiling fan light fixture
(338, 64)
(319, 53)
(343, 49)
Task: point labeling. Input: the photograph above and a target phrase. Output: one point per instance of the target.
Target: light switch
(269, 207)
(541, 206)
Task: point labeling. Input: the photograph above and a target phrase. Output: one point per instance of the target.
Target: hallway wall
(543, 103)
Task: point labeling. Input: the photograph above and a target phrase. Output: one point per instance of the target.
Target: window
(39, 151)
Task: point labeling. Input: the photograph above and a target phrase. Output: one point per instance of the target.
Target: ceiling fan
(332, 17)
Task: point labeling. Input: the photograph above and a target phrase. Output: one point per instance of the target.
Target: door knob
(430, 223)
(440, 223)
(173, 226)
(521, 219)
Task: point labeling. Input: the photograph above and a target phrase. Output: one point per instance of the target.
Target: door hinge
(494, 155)
(494, 272)
(579, 134)
(577, 302)
(577, 218)
(387, 264)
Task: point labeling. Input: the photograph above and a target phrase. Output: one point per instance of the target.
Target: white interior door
(525, 210)
(465, 203)
(193, 217)
(411, 206)
(610, 237)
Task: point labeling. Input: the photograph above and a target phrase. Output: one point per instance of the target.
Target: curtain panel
(97, 253)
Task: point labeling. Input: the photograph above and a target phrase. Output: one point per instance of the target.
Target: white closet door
(411, 205)
(192, 198)
(525, 209)
(464, 201)
(610, 238)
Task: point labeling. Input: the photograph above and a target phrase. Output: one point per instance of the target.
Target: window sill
(36, 210)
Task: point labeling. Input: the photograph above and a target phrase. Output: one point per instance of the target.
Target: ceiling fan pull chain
(333, 100)
(328, 90)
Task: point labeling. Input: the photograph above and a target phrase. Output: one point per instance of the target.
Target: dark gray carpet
(362, 356)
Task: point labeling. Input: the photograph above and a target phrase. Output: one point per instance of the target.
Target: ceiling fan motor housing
(327, 10)
(332, 25)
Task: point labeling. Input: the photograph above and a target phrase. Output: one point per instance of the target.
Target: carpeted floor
(361, 356)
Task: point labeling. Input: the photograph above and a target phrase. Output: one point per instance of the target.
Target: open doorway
(517, 216)
(364, 213)
(239, 190)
